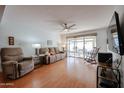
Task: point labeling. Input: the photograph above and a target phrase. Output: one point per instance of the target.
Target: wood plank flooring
(67, 73)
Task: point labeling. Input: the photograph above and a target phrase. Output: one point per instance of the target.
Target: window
(77, 47)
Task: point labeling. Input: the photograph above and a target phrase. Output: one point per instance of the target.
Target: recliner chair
(14, 64)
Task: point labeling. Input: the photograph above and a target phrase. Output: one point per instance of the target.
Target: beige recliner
(13, 63)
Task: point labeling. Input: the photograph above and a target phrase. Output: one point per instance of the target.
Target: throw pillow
(47, 53)
(52, 53)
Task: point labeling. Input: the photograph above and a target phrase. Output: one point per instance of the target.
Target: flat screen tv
(114, 34)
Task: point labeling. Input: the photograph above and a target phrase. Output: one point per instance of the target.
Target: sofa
(14, 64)
(52, 54)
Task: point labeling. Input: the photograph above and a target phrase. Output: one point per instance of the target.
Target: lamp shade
(64, 45)
(36, 45)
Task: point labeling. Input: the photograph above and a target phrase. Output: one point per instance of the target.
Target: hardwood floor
(67, 73)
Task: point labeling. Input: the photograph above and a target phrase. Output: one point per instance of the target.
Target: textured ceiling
(50, 18)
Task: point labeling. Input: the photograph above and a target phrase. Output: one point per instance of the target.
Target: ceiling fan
(67, 28)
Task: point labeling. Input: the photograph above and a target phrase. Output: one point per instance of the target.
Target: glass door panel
(90, 42)
(79, 49)
(71, 47)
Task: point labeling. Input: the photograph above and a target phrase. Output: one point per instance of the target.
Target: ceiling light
(65, 30)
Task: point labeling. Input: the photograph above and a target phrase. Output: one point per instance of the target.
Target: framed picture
(11, 40)
(49, 42)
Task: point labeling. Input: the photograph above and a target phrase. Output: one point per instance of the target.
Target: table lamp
(64, 47)
(36, 46)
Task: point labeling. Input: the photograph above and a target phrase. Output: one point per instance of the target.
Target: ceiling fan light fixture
(66, 30)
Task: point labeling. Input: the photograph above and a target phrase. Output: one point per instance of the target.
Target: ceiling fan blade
(63, 25)
(67, 28)
(73, 28)
(72, 25)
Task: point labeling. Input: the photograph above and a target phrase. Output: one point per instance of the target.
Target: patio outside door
(77, 47)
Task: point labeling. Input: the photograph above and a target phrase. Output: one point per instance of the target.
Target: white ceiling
(50, 18)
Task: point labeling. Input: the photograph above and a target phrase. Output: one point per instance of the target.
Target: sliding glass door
(79, 44)
(90, 42)
(78, 47)
(71, 47)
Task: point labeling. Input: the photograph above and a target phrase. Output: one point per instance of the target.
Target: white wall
(101, 40)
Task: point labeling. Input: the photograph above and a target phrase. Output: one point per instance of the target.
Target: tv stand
(107, 77)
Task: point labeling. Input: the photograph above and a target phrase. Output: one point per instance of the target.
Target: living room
(36, 26)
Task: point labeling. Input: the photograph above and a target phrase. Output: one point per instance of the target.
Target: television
(114, 34)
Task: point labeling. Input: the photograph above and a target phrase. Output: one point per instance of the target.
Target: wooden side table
(36, 60)
(42, 58)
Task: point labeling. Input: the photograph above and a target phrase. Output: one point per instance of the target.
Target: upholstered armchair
(14, 64)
